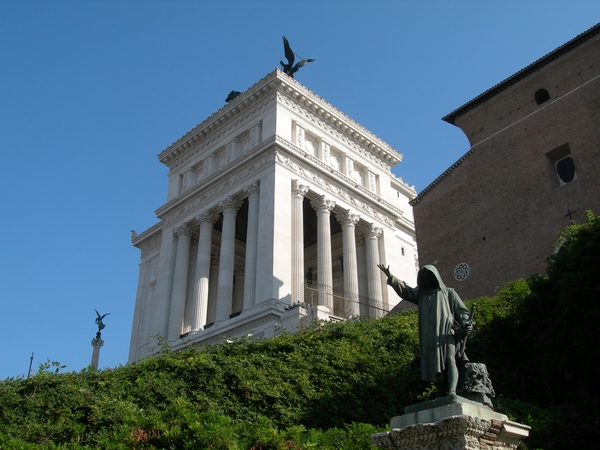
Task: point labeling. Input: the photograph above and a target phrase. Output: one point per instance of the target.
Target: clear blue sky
(92, 91)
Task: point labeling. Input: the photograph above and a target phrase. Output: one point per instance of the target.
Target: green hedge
(331, 385)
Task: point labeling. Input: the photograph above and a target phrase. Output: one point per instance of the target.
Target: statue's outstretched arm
(385, 270)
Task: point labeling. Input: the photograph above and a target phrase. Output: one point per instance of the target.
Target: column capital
(322, 204)
(252, 189)
(184, 230)
(231, 203)
(371, 231)
(347, 218)
(207, 217)
(298, 189)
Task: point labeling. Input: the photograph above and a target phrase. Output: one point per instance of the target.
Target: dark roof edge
(418, 198)
(544, 60)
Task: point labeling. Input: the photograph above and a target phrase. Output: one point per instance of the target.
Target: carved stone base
(453, 423)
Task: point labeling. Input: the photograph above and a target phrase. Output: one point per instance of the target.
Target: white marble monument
(278, 209)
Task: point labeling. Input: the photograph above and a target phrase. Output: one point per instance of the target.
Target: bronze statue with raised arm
(444, 322)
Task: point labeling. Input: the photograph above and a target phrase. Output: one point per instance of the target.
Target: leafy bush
(333, 384)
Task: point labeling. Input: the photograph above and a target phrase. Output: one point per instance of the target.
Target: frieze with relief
(315, 120)
(340, 192)
(151, 246)
(226, 186)
(200, 148)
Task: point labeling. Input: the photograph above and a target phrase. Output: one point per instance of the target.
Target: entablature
(276, 149)
(296, 96)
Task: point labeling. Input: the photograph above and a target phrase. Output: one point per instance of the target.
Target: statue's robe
(441, 313)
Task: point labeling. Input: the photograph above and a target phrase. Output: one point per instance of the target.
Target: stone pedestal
(97, 342)
(451, 423)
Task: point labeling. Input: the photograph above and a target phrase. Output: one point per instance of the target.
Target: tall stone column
(237, 303)
(372, 234)
(251, 247)
(298, 193)
(97, 342)
(213, 281)
(323, 208)
(225, 290)
(182, 261)
(200, 300)
(361, 259)
(348, 222)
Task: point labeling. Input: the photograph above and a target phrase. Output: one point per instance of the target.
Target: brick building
(533, 164)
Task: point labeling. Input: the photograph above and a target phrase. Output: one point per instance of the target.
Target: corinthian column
(213, 281)
(323, 208)
(200, 300)
(373, 274)
(251, 240)
(237, 303)
(348, 222)
(225, 290)
(298, 193)
(182, 261)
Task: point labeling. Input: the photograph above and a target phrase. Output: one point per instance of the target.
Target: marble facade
(278, 209)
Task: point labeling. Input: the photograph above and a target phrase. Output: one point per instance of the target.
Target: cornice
(406, 189)
(327, 117)
(314, 108)
(275, 149)
(216, 121)
(138, 240)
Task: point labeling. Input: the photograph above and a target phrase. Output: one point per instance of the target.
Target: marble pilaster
(298, 193)
(182, 260)
(251, 246)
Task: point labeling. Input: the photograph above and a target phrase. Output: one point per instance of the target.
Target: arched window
(541, 96)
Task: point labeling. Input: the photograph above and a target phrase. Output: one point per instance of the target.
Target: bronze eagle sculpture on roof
(289, 68)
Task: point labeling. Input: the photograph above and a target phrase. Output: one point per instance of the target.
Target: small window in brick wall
(541, 96)
(562, 166)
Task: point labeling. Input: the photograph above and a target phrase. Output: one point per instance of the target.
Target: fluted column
(213, 281)
(298, 193)
(372, 234)
(238, 288)
(182, 261)
(251, 248)
(200, 300)
(348, 222)
(323, 208)
(361, 258)
(225, 290)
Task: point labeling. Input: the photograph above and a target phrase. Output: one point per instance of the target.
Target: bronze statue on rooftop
(289, 68)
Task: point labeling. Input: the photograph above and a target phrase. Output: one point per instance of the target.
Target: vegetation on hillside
(332, 385)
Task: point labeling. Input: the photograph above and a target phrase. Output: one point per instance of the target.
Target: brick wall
(501, 208)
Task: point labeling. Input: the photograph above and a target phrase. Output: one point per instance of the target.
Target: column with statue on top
(97, 342)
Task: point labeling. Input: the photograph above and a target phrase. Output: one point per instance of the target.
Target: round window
(461, 272)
